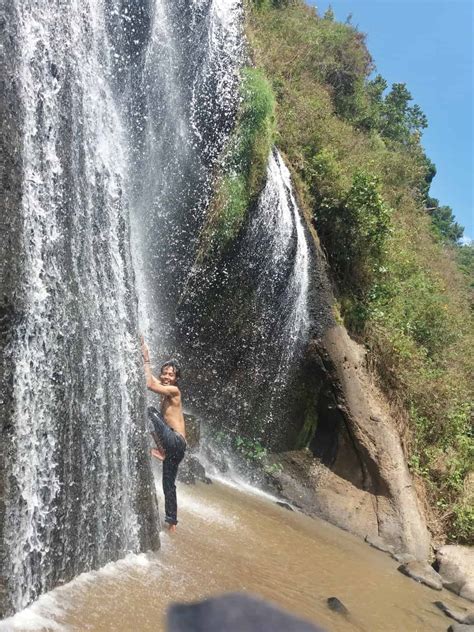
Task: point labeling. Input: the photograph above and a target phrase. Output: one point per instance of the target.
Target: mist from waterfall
(245, 319)
(185, 97)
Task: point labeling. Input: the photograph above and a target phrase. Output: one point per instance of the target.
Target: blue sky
(427, 44)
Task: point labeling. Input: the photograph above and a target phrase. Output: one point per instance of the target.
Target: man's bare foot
(158, 454)
(171, 528)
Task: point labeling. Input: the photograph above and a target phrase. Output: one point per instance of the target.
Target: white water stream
(278, 227)
(74, 385)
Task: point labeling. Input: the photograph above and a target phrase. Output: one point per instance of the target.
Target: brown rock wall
(354, 473)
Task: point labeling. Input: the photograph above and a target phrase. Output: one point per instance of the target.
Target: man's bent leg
(163, 435)
(158, 452)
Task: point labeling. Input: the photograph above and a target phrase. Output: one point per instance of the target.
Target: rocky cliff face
(316, 406)
(352, 471)
(308, 387)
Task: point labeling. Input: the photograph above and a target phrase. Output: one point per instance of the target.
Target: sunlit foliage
(404, 286)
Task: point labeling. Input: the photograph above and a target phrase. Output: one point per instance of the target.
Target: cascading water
(183, 103)
(244, 348)
(277, 230)
(119, 105)
(122, 110)
(78, 490)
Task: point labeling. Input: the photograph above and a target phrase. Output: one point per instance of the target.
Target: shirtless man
(169, 428)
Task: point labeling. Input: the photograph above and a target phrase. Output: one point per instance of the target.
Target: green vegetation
(244, 164)
(443, 220)
(251, 450)
(354, 227)
(404, 285)
(465, 259)
(463, 519)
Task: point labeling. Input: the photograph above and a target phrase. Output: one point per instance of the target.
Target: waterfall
(186, 96)
(276, 259)
(74, 472)
(277, 230)
(121, 110)
(117, 117)
(246, 318)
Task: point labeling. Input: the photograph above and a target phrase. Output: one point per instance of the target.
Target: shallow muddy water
(233, 540)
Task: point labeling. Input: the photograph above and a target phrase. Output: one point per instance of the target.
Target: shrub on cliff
(354, 228)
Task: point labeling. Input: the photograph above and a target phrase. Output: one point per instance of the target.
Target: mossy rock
(243, 171)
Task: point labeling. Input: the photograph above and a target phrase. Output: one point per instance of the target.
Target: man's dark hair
(174, 365)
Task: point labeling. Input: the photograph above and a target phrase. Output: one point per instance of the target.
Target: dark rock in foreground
(234, 613)
(337, 606)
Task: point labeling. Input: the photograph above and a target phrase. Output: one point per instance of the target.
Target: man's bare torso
(172, 412)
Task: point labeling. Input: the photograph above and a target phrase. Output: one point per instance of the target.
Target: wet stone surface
(456, 567)
(191, 471)
(465, 617)
(379, 543)
(422, 573)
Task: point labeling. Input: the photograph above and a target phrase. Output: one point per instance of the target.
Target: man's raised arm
(152, 383)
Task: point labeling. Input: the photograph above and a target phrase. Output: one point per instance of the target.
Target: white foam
(38, 616)
(44, 612)
(205, 510)
(243, 486)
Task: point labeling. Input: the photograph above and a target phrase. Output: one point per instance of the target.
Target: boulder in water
(191, 470)
(422, 573)
(461, 616)
(337, 606)
(456, 567)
